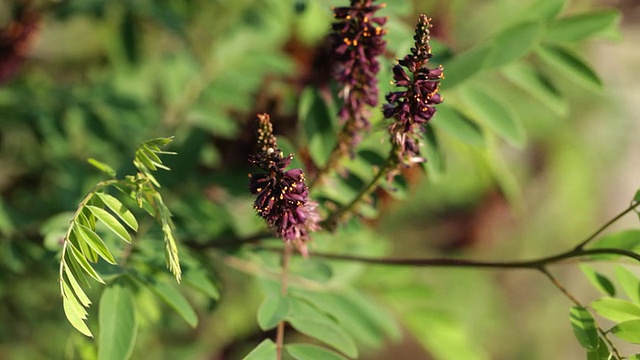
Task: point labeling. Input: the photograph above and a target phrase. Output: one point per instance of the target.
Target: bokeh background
(90, 78)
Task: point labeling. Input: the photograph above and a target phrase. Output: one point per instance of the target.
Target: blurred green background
(90, 78)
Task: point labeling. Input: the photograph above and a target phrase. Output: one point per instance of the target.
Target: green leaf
(616, 309)
(601, 353)
(465, 65)
(82, 261)
(598, 280)
(636, 197)
(273, 310)
(625, 240)
(634, 357)
(119, 209)
(354, 313)
(102, 167)
(456, 124)
(74, 318)
(77, 289)
(513, 43)
(537, 85)
(176, 300)
(628, 331)
(629, 282)
(435, 163)
(199, 280)
(318, 120)
(546, 10)
(118, 323)
(584, 327)
(159, 142)
(110, 222)
(312, 352)
(265, 351)
(570, 64)
(93, 240)
(496, 115)
(582, 26)
(78, 308)
(326, 332)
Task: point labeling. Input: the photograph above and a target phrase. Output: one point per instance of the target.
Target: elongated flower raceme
(357, 42)
(282, 195)
(413, 105)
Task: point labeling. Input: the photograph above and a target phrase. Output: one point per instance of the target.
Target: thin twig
(336, 217)
(631, 207)
(574, 300)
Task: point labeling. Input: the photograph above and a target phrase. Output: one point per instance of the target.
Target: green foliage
(118, 323)
(584, 327)
(201, 70)
(82, 244)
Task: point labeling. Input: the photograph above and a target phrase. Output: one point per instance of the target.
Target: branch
(631, 207)
(464, 263)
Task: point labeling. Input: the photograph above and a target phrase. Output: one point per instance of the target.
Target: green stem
(333, 219)
(286, 255)
(631, 207)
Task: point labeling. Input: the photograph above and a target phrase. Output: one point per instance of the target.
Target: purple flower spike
(356, 42)
(413, 107)
(282, 195)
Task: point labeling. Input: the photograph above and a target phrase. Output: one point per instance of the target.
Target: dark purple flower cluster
(282, 195)
(412, 107)
(357, 41)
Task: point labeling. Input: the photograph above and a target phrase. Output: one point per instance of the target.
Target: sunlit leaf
(118, 323)
(630, 283)
(119, 209)
(628, 331)
(84, 264)
(265, 351)
(77, 289)
(584, 327)
(74, 319)
(110, 222)
(102, 167)
(93, 240)
(598, 280)
(624, 240)
(616, 309)
(312, 352)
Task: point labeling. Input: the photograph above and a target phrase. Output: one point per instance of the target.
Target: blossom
(282, 195)
(413, 106)
(357, 41)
